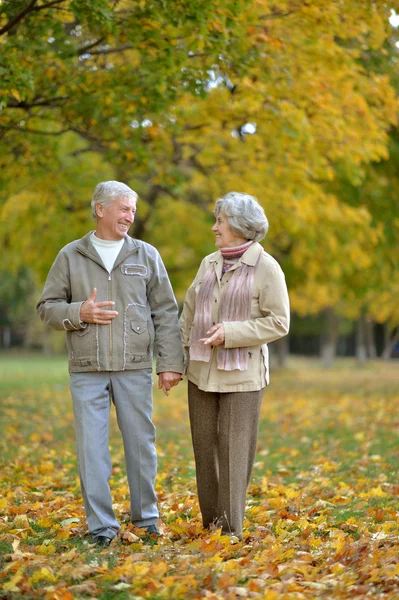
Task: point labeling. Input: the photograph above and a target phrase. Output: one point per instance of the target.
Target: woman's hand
(217, 335)
(167, 380)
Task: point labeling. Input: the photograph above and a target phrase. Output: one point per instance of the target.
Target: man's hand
(92, 311)
(217, 335)
(168, 380)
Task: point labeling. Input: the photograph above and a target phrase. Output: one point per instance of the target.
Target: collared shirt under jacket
(269, 321)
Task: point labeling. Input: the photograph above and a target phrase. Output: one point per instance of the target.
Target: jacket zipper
(110, 326)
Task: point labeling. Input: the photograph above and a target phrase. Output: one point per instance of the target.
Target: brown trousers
(224, 430)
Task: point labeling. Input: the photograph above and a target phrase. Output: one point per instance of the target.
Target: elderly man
(112, 296)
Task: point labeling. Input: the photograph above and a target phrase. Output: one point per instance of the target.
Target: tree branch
(92, 148)
(86, 136)
(18, 18)
(28, 105)
(86, 49)
(277, 15)
(36, 131)
(109, 50)
(29, 9)
(48, 5)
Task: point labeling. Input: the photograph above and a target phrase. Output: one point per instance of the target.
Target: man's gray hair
(108, 191)
(245, 215)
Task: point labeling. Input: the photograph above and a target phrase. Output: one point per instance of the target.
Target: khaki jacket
(270, 317)
(139, 286)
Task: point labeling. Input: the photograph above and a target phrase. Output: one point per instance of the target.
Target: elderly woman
(237, 303)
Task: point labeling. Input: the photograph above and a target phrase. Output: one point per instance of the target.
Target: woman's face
(225, 238)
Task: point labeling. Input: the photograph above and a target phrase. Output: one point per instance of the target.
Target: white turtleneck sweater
(107, 249)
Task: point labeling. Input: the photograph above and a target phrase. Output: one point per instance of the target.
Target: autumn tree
(187, 104)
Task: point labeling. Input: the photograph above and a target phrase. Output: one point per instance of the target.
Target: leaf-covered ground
(322, 517)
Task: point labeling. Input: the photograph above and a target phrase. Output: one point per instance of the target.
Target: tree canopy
(188, 100)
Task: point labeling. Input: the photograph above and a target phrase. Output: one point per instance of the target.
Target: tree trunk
(140, 223)
(370, 340)
(329, 337)
(280, 351)
(391, 338)
(361, 347)
(6, 337)
(46, 344)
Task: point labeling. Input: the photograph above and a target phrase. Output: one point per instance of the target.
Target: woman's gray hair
(245, 215)
(108, 191)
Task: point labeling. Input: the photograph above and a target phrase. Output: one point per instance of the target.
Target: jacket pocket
(81, 343)
(140, 341)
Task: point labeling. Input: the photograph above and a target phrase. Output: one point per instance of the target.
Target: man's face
(113, 221)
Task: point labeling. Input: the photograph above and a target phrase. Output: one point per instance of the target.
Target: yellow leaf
(45, 550)
(45, 522)
(376, 492)
(21, 522)
(16, 95)
(11, 586)
(42, 575)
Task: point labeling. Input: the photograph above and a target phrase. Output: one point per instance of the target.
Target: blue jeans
(131, 392)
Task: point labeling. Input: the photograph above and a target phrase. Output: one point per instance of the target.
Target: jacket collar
(86, 247)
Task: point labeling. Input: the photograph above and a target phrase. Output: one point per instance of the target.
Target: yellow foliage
(11, 585)
(44, 575)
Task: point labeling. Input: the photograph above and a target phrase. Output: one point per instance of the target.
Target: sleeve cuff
(73, 322)
(228, 334)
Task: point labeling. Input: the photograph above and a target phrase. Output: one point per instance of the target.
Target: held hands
(92, 311)
(217, 335)
(167, 380)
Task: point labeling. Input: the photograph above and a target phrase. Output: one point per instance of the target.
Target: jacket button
(138, 328)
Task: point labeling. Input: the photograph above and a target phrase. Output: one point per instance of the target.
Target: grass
(21, 371)
(324, 480)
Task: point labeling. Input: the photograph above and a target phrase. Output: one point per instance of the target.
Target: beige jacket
(269, 321)
(140, 287)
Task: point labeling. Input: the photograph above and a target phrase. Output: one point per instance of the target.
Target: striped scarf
(235, 305)
(231, 255)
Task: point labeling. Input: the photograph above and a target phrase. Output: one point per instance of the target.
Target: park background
(295, 102)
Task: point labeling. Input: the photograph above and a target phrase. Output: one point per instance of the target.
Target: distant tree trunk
(280, 350)
(370, 339)
(329, 337)
(6, 337)
(391, 338)
(46, 344)
(361, 335)
(140, 223)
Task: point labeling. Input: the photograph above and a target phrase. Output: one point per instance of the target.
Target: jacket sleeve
(275, 308)
(54, 306)
(164, 313)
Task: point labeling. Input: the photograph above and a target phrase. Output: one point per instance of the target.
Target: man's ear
(99, 210)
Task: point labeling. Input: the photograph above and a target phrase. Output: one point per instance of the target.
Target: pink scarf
(235, 305)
